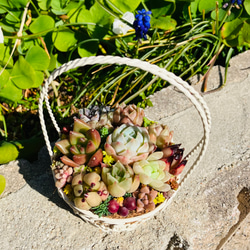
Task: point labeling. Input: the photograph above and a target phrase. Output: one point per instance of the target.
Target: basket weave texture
(106, 223)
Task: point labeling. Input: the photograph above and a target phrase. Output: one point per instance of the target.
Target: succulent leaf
(93, 199)
(94, 136)
(80, 159)
(80, 126)
(120, 179)
(93, 180)
(90, 148)
(96, 159)
(69, 162)
(74, 137)
(63, 146)
(153, 173)
(81, 203)
(74, 150)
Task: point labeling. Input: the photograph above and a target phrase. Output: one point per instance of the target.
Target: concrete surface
(210, 212)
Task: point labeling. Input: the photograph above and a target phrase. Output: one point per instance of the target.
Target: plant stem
(19, 34)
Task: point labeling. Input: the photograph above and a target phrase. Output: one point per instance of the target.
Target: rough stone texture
(209, 212)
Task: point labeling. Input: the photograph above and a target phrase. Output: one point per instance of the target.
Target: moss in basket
(102, 209)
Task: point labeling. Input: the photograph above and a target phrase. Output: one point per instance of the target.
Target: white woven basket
(105, 223)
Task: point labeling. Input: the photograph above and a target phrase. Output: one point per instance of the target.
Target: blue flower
(239, 2)
(142, 24)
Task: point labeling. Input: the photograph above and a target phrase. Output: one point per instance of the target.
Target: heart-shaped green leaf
(23, 74)
(246, 32)
(222, 12)
(161, 7)
(19, 3)
(4, 55)
(44, 4)
(123, 6)
(64, 39)
(8, 91)
(207, 6)
(237, 41)
(37, 58)
(247, 6)
(100, 24)
(231, 29)
(39, 79)
(88, 48)
(42, 23)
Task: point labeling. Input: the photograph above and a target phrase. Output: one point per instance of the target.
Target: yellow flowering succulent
(68, 190)
(159, 198)
(107, 159)
(119, 200)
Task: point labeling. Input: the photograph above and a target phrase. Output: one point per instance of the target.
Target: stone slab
(210, 211)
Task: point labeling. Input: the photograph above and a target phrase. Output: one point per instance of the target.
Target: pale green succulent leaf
(164, 188)
(133, 145)
(145, 179)
(119, 147)
(116, 190)
(137, 167)
(110, 179)
(126, 184)
(155, 156)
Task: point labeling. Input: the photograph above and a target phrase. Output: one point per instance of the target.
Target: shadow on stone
(38, 176)
(244, 208)
(177, 243)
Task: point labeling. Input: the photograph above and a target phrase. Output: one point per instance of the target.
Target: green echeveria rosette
(153, 172)
(128, 144)
(120, 179)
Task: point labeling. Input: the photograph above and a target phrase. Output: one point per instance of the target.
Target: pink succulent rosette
(128, 144)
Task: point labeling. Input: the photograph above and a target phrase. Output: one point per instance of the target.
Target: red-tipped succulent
(173, 157)
(81, 146)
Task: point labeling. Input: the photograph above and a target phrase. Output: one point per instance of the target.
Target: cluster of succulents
(115, 161)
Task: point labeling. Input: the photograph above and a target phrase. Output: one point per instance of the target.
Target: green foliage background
(57, 31)
(186, 37)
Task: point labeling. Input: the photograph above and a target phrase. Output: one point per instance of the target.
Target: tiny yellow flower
(107, 159)
(68, 190)
(159, 198)
(119, 200)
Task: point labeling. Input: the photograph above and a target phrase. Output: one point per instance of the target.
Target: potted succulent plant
(120, 156)
(114, 167)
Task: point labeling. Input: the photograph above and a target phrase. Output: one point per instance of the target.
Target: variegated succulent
(81, 146)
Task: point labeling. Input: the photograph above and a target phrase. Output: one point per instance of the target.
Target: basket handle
(176, 81)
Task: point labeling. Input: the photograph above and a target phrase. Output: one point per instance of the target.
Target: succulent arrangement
(116, 162)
